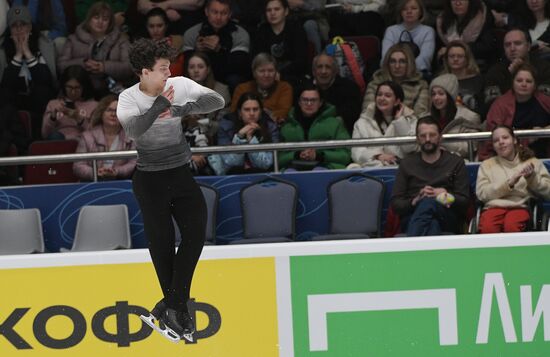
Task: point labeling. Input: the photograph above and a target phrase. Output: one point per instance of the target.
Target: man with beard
(431, 191)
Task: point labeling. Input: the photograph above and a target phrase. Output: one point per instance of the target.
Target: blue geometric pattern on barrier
(9, 201)
(60, 204)
(302, 211)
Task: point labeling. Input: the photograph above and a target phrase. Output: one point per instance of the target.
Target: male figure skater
(150, 112)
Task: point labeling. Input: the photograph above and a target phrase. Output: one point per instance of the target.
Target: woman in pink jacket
(105, 134)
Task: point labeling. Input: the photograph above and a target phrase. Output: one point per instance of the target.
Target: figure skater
(150, 112)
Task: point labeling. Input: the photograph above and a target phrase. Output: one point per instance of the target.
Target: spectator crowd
(438, 66)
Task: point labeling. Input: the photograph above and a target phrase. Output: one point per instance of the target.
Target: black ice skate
(180, 323)
(188, 326)
(156, 316)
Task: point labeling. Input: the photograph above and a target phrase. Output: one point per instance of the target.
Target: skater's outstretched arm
(206, 103)
(192, 98)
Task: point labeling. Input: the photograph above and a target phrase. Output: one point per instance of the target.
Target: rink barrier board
(59, 204)
(433, 296)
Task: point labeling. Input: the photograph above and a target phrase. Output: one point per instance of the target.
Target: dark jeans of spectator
(430, 218)
(162, 195)
(356, 24)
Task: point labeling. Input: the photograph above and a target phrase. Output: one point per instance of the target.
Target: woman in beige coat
(386, 117)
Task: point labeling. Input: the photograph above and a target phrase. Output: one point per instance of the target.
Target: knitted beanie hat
(18, 13)
(448, 82)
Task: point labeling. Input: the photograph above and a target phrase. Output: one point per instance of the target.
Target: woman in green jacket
(311, 119)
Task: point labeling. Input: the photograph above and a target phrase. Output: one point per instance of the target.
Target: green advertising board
(444, 302)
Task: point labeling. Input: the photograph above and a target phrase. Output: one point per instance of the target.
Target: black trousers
(162, 195)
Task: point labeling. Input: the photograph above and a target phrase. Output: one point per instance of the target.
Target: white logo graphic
(529, 318)
(444, 300)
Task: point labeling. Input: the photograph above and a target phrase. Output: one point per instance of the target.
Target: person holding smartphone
(67, 116)
(386, 117)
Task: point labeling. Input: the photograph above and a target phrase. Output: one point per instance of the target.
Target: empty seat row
(97, 228)
(268, 209)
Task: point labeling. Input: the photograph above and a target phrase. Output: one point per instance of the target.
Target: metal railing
(275, 147)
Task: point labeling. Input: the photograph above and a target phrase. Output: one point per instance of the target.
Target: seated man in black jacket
(431, 191)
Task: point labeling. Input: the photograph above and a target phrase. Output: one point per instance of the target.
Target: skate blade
(170, 334)
(185, 336)
(188, 337)
(166, 332)
(149, 320)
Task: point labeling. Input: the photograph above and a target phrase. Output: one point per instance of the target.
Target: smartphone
(70, 104)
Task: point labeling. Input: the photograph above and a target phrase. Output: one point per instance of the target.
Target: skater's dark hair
(145, 52)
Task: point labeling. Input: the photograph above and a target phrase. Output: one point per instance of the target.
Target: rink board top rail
(287, 249)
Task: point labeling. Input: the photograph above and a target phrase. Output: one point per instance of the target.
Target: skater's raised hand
(169, 94)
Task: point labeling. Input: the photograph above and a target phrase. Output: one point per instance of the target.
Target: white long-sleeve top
(160, 141)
